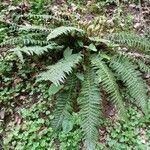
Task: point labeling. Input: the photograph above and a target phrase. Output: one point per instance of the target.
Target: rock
(137, 25)
(132, 6)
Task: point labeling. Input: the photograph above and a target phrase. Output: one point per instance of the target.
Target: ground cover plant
(71, 83)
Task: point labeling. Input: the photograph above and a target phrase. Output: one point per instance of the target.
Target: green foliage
(131, 77)
(43, 17)
(34, 28)
(129, 135)
(108, 81)
(82, 72)
(34, 132)
(6, 66)
(89, 100)
(24, 40)
(143, 66)
(2, 33)
(70, 140)
(131, 40)
(63, 104)
(57, 72)
(62, 30)
(38, 50)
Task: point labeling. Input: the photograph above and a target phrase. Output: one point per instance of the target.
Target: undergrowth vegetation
(68, 83)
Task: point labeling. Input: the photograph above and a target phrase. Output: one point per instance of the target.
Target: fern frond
(57, 72)
(12, 41)
(132, 80)
(34, 28)
(130, 40)
(38, 50)
(24, 40)
(63, 103)
(44, 17)
(109, 83)
(140, 61)
(143, 66)
(62, 30)
(89, 101)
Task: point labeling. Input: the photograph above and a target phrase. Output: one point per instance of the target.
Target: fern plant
(88, 67)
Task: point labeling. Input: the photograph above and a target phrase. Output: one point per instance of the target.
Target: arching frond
(141, 61)
(24, 40)
(130, 40)
(89, 101)
(63, 103)
(132, 80)
(109, 83)
(142, 66)
(38, 50)
(44, 17)
(34, 28)
(57, 72)
(62, 30)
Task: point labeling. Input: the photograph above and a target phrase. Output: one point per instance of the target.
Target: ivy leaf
(53, 89)
(105, 56)
(80, 43)
(67, 125)
(80, 76)
(67, 52)
(91, 47)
